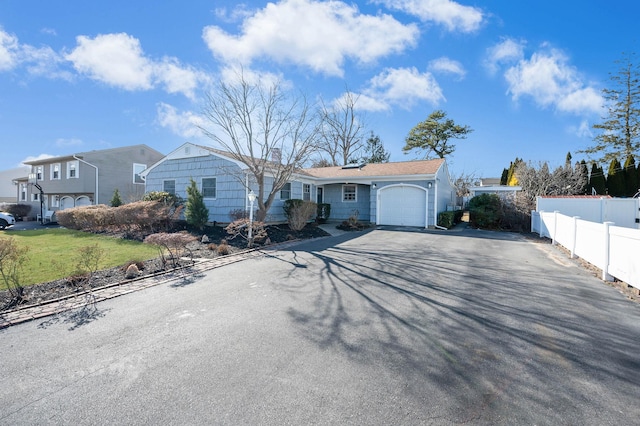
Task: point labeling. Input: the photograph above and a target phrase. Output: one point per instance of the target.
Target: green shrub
(485, 211)
(299, 212)
(196, 213)
(116, 200)
(17, 210)
(449, 219)
(324, 211)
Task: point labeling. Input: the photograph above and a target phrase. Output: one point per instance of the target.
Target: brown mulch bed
(39, 293)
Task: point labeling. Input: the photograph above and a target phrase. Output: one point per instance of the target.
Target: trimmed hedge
(485, 211)
(449, 219)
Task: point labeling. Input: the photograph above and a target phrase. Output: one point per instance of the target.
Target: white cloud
(8, 50)
(583, 130)
(37, 158)
(232, 75)
(402, 87)
(118, 60)
(313, 34)
(507, 51)
(183, 124)
(179, 79)
(551, 81)
(447, 66)
(115, 59)
(453, 15)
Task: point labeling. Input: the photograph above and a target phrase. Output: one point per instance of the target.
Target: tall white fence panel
(622, 211)
(613, 249)
(623, 255)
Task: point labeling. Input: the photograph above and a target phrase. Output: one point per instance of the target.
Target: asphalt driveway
(385, 327)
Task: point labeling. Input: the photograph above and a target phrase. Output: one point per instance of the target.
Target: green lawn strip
(54, 253)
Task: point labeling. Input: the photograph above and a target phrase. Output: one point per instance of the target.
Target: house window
(306, 192)
(55, 171)
(137, 169)
(349, 193)
(169, 186)
(23, 192)
(54, 201)
(39, 172)
(209, 187)
(72, 169)
(285, 192)
(35, 196)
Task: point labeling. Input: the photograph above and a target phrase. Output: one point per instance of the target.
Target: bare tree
(539, 181)
(463, 182)
(341, 130)
(264, 128)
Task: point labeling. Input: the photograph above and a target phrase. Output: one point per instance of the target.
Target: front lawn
(54, 253)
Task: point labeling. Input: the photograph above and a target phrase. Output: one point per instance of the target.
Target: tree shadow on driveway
(489, 325)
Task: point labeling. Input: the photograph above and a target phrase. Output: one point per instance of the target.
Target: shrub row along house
(410, 193)
(407, 193)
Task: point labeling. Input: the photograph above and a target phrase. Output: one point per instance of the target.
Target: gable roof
(81, 155)
(424, 168)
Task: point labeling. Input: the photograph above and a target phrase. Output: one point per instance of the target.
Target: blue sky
(526, 76)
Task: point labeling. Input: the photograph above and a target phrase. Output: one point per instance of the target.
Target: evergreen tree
(434, 134)
(597, 181)
(116, 201)
(615, 179)
(195, 213)
(630, 176)
(583, 171)
(620, 132)
(374, 151)
(505, 177)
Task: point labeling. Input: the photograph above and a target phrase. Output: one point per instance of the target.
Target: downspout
(95, 197)
(435, 207)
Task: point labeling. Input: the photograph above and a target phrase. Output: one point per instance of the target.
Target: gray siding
(230, 191)
(341, 210)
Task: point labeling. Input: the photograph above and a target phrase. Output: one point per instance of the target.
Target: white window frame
(306, 191)
(39, 170)
(23, 192)
(137, 169)
(35, 196)
(286, 189)
(215, 187)
(164, 186)
(345, 193)
(75, 166)
(54, 201)
(53, 169)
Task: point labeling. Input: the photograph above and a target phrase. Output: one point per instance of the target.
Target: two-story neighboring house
(86, 178)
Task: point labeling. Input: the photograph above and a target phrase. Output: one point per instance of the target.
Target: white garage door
(403, 206)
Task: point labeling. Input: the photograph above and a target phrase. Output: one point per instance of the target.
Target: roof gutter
(95, 196)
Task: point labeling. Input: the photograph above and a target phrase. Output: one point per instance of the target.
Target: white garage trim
(381, 216)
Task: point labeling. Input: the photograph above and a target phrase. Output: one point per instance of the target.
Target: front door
(319, 195)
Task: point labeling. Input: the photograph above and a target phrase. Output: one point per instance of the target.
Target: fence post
(575, 235)
(555, 227)
(605, 266)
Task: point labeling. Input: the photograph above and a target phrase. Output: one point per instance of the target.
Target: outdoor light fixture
(374, 186)
(429, 185)
(252, 198)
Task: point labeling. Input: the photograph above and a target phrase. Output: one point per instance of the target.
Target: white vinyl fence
(623, 212)
(614, 249)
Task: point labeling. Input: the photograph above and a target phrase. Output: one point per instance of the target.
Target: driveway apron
(391, 326)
